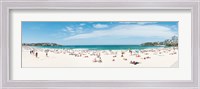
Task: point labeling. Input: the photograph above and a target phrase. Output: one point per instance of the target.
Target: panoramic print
(99, 44)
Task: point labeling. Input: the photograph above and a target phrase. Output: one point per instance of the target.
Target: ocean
(102, 47)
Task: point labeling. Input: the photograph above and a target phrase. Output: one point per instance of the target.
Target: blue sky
(97, 33)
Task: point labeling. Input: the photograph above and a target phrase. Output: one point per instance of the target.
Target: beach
(72, 58)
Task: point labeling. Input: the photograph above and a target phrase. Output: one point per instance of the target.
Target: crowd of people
(143, 54)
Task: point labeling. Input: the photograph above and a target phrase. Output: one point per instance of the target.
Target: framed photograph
(99, 44)
(105, 44)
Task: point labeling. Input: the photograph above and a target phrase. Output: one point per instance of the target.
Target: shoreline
(94, 49)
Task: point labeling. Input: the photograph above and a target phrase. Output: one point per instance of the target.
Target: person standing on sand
(46, 51)
(46, 54)
(130, 51)
(36, 54)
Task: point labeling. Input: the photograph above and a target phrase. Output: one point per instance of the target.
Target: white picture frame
(8, 5)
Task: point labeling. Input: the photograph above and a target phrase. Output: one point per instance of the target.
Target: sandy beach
(160, 57)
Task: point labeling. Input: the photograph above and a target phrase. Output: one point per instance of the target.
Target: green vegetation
(40, 44)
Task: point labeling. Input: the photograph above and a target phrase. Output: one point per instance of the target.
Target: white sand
(61, 58)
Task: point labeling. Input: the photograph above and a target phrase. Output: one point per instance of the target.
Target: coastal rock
(40, 44)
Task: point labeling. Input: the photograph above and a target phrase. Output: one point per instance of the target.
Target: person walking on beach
(36, 54)
(46, 51)
(46, 54)
(130, 51)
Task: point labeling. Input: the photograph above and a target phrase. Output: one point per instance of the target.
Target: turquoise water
(102, 47)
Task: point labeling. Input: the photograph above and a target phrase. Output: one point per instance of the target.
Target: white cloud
(129, 31)
(143, 23)
(64, 30)
(139, 23)
(128, 22)
(100, 26)
(82, 24)
(73, 30)
(173, 27)
(68, 29)
(80, 28)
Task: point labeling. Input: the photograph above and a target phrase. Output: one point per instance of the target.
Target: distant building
(168, 42)
(174, 39)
